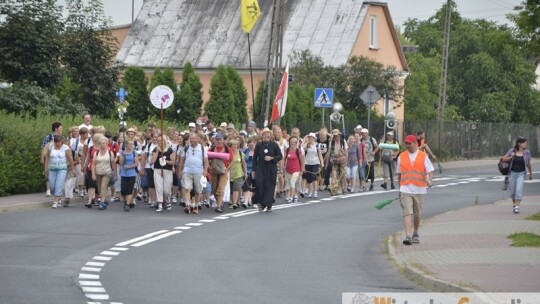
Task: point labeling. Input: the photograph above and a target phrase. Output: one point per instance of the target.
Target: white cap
(364, 130)
(312, 135)
(191, 125)
(359, 127)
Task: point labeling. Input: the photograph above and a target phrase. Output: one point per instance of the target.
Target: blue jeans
(57, 180)
(515, 182)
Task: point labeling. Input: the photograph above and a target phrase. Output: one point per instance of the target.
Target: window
(373, 32)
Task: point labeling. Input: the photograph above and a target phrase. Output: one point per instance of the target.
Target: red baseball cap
(410, 139)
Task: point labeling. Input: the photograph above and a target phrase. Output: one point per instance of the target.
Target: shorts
(149, 173)
(237, 184)
(192, 181)
(311, 173)
(127, 184)
(88, 181)
(389, 169)
(362, 171)
(412, 204)
(249, 184)
(351, 171)
(292, 178)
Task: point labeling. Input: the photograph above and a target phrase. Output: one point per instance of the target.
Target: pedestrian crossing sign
(324, 97)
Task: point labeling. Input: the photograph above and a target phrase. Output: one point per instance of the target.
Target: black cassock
(265, 172)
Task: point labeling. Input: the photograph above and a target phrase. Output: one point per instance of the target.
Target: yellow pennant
(250, 14)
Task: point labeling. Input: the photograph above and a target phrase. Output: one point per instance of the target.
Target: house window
(373, 32)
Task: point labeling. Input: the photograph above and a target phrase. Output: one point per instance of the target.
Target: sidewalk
(468, 250)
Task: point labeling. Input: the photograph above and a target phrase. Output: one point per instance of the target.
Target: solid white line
(102, 258)
(135, 240)
(207, 221)
(93, 289)
(119, 248)
(97, 296)
(221, 217)
(314, 201)
(328, 199)
(116, 303)
(238, 212)
(194, 224)
(93, 269)
(90, 283)
(95, 264)
(110, 253)
(239, 215)
(93, 302)
(159, 237)
(182, 227)
(88, 276)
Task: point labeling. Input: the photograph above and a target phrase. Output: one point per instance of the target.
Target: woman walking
(520, 160)
(294, 166)
(103, 169)
(128, 159)
(314, 160)
(238, 172)
(57, 161)
(163, 158)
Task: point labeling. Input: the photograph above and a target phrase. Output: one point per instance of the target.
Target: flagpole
(251, 74)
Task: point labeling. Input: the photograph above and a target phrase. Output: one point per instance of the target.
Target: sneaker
(48, 193)
(88, 205)
(288, 200)
(76, 190)
(81, 194)
(159, 208)
(116, 199)
(244, 205)
(59, 203)
(383, 186)
(206, 203)
(348, 188)
(407, 241)
(516, 210)
(152, 205)
(55, 205)
(295, 200)
(234, 206)
(167, 206)
(126, 207)
(139, 197)
(302, 194)
(371, 187)
(186, 210)
(260, 207)
(315, 195)
(145, 197)
(219, 209)
(103, 205)
(415, 238)
(309, 195)
(173, 200)
(66, 203)
(242, 199)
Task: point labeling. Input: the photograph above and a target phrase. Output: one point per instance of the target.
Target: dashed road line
(135, 240)
(90, 283)
(91, 269)
(87, 276)
(102, 258)
(113, 253)
(95, 264)
(194, 224)
(119, 248)
(206, 221)
(182, 227)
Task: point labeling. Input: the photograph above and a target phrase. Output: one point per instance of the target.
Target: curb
(33, 206)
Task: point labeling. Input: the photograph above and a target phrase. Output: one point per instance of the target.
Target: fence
(458, 140)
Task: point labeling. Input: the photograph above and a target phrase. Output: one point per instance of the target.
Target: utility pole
(273, 64)
(444, 69)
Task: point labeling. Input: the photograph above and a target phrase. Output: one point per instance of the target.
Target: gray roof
(207, 33)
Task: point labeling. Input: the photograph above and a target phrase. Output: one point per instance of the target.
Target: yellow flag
(250, 14)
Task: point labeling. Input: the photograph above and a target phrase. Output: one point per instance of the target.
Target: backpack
(217, 165)
(287, 154)
(340, 160)
(387, 154)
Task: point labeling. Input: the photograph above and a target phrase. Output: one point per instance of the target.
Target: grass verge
(525, 239)
(534, 217)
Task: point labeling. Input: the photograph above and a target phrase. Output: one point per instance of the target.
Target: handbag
(504, 167)
(218, 167)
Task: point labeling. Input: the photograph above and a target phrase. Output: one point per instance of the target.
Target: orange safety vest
(413, 174)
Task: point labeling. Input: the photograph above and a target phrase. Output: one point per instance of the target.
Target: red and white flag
(280, 102)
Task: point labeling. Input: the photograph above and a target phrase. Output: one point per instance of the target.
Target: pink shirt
(293, 162)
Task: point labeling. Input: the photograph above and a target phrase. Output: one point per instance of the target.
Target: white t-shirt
(86, 126)
(413, 189)
(148, 151)
(193, 163)
(312, 154)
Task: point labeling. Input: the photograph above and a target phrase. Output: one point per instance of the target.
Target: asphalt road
(309, 253)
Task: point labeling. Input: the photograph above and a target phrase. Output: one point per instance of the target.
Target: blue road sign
(121, 94)
(324, 97)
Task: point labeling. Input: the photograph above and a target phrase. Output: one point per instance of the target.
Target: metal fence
(458, 140)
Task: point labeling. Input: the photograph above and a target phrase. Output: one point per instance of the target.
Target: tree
(240, 94)
(489, 79)
(89, 51)
(136, 84)
(527, 20)
(190, 97)
(30, 44)
(258, 102)
(220, 106)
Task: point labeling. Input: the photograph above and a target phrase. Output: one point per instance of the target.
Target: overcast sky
(496, 10)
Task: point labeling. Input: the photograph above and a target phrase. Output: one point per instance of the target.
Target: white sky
(495, 10)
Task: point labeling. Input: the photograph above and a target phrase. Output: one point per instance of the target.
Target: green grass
(525, 239)
(534, 217)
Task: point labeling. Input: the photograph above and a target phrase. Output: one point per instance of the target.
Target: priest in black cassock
(266, 156)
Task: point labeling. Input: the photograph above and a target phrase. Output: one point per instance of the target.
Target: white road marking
(92, 269)
(314, 201)
(159, 237)
(93, 289)
(252, 212)
(194, 224)
(95, 264)
(328, 199)
(182, 227)
(110, 253)
(135, 240)
(93, 302)
(206, 221)
(221, 217)
(87, 276)
(102, 258)
(97, 296)
(90, 283)
(119, 248)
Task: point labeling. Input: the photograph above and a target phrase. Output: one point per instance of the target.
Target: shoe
(88, 205)
(76, 190)
(126, 207)
(81, 194)
(59, 203)
(288, 200)
(348, 188)
(48, 193)
(384, 186)
(278, 195)
(315, 194)
(139, 197)
(261, 208)
(302, 194)
(145, 197)
(173, 200)
(230, 206)
(268, 209)
(364, 189)
(206, 203)
(66, 203)
(309, 195)
(152, 205)
(516, 210)
(407, 241)
(242, 199)
(415, 238)
(186, 210)
(244, 205)
(96, 203)
(159, 208)
(219, 209)
(196, 211)
(392, 186)
(103, 205)
(371, 187)
(116, 199)
(55, 205)
(295, 200)
(167, 206)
